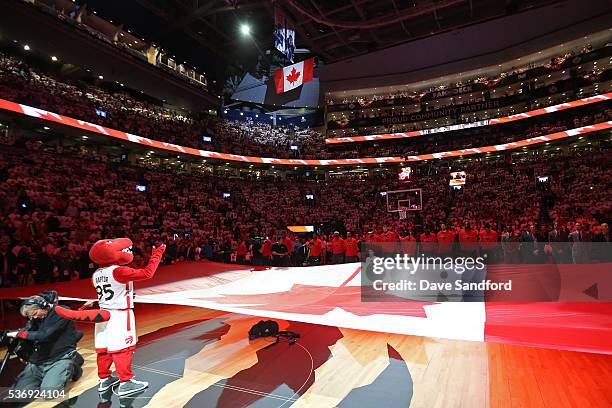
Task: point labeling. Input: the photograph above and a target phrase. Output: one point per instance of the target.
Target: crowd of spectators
(20, 82)
(475, 137)
(23, 83)
(262, 139)
(344, 118)
(553, 63)
(55, 204)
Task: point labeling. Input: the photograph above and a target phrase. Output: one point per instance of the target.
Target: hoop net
(403, 213)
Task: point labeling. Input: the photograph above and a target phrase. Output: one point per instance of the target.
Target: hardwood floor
(342, 367)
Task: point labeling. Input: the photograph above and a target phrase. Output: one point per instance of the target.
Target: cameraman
(54, 359)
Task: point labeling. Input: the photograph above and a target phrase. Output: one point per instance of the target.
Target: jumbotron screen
(405, 173)
(457, 178)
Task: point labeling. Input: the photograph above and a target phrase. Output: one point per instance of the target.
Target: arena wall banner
(156, 144)
(496, 121)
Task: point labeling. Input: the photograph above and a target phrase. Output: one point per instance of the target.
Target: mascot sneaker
(107, 382)
(131, 386)
(105, 399)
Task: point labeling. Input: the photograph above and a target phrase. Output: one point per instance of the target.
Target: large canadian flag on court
(288, 78)
(333, 295)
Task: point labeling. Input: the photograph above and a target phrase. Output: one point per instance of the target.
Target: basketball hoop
(402, 201)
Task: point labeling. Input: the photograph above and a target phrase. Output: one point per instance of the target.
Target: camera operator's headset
(42, 303)
(45, 300)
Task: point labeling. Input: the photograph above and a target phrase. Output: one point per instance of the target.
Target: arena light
(100, 77)
(245, 29)
(53, 58)
(26, 47)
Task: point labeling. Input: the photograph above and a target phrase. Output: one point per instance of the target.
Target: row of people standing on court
(527, 244)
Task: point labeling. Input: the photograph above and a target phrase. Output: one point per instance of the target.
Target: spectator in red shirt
(428, 241)
(316, 247)
(488, 243)
(391, 239)
(488, 235)
(266, 252)
(391, 236)
(352, 248)
(370, 240)
(468, 238)
(241, 251)
(408, 244)
(446, 239)
(337, 244)
(326, 250)
(289, 243)
(380, 238)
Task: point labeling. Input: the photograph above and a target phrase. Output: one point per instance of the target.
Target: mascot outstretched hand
(115, 331)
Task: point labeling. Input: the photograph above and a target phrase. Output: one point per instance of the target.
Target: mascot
(115, 331)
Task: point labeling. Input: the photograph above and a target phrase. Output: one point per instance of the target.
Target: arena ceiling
(205, 32)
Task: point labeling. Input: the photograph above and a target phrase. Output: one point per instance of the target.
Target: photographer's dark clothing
(279, 248)
(8, 261)
(55, 359)
(24, 267)
(256, 249)
(44, 268)
(300, 255)
(49, 375)
(54, 337)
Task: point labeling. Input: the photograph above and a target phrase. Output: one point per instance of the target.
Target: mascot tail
(89, 316)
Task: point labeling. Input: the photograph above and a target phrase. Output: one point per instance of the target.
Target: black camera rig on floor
(269, 328)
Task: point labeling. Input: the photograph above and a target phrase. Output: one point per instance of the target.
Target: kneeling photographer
(47, 343)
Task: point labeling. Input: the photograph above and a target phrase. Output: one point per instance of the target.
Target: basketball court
(197, 356)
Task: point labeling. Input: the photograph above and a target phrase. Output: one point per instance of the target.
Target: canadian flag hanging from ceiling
(288, 78)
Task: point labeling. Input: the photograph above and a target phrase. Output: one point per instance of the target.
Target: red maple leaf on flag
(293, 76)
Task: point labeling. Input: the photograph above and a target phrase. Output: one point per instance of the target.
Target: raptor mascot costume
(115, 331)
